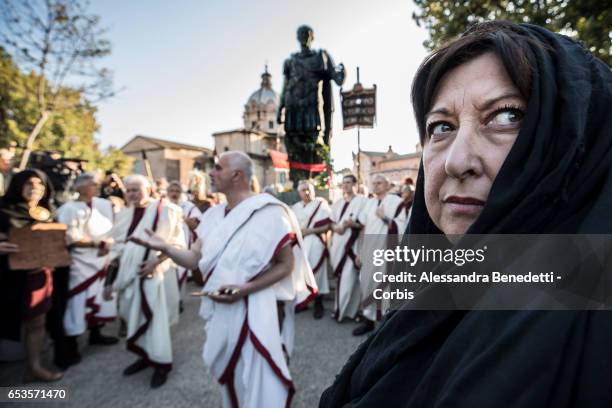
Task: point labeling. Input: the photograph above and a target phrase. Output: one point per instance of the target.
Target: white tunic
(377, 237)
(245, 348)
(343, 252)
(189, 211)
(85, 305)
(313, 215)
(149, 306)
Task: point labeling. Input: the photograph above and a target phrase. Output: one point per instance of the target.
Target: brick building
(391, 164)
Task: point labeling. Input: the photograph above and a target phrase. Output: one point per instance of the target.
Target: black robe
(14, 283)
(556, 179)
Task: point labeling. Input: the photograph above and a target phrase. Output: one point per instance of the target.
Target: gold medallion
(39, 213)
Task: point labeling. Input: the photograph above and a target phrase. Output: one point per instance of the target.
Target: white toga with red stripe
(244, 346)
(190, 210)
(313, 215)
(149, 306)
(377, 235)
(85, 306)
(343, 252)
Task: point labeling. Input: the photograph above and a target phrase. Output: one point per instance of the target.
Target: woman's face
(33, 190)
(473, 122)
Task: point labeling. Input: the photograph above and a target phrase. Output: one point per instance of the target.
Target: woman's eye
(507, 117)
(439, 128)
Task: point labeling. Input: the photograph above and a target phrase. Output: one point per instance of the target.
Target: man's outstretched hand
(153, 241)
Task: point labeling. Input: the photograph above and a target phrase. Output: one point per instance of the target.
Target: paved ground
(321, 348)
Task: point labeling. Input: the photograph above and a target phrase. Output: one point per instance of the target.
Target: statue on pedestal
(307, 102)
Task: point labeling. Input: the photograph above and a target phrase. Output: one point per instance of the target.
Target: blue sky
(186, 68)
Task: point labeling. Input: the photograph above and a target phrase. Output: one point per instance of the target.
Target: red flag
(314, 167)
(280, 160)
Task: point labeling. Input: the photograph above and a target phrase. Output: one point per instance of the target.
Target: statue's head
(305, 35)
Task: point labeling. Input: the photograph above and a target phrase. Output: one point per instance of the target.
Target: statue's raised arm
(336, 73)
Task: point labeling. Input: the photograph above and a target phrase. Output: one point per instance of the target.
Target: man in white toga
(313, 214)
(255, 273)
(344, 256)
(89, 220)
(146, 280)
(382, 216)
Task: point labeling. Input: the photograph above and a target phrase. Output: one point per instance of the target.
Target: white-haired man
(381, 217)
(251, 257)
(89, 220)
(145, 280)
(313, 214)
(346, 228)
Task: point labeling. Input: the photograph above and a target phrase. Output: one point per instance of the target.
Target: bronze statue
(307, 102)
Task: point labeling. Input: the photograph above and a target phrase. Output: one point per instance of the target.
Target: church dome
(260, 109)
(265, 94)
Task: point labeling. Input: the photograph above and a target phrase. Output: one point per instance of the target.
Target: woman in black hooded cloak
(555, 177)
(26, 295)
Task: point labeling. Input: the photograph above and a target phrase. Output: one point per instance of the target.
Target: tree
(589, 21)
(59, 44)
(114, 159)
(70, 129)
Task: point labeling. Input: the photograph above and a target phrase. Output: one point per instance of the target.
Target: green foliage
(57, 43)
(322, 179)
(114, 159)
(589, 21)
(61, 41)
(70, 129)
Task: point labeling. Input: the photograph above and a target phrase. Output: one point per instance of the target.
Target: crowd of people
(134, 243)
(513, 120)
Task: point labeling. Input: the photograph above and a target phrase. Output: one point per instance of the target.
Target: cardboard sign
(40, 245)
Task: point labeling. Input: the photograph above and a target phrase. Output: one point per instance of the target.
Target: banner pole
(358, 155)
(358, 146)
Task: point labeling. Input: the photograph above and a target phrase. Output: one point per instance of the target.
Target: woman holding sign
(25, 295)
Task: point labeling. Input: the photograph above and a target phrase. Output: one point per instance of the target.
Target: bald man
(381, 218)
(255, 273)
(146, 280)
